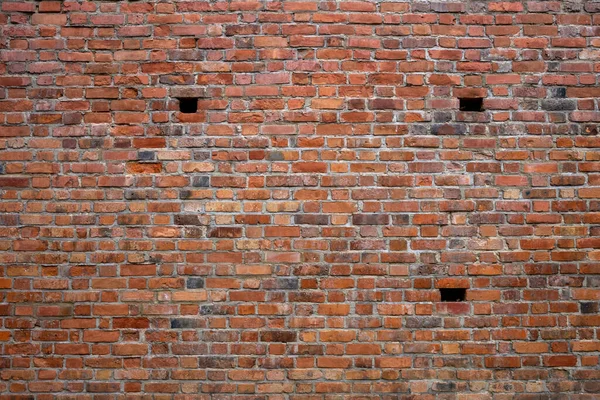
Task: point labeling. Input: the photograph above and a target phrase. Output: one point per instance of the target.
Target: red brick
(100, 336)
(130, 349)
(49, 19)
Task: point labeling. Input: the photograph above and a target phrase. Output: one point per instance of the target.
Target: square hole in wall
(453, 294)
(188, 105)
(471, 104)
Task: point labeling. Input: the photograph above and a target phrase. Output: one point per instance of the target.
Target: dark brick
(559, 105)
(281, 284)
(276, 156)
(146, 155)
(311, 219)
(225, 232)
(201, 181)
(185, 323)
(214, 309)
(423, 322)
(216, 362)
(141, 194)
(9, 219)
(278, 336)
(194, 283)
(589, 308)
(558, 92)
(370, 219)
(444, 387)
(185, 219)
(448, 129)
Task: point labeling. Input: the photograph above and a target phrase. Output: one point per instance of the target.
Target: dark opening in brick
(188, 105)
(471, 104)
(453, 294)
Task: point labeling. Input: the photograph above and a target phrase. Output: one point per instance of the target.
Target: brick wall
(287, 236)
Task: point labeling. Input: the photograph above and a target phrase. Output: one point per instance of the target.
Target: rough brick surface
(289, 240)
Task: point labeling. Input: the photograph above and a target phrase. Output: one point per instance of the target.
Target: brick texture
(289, 239)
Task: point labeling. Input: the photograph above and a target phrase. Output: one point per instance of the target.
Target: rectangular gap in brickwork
(188, 105)
(453, 294)
(471, 104)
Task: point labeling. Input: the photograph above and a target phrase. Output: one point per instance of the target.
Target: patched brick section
(323, 220)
